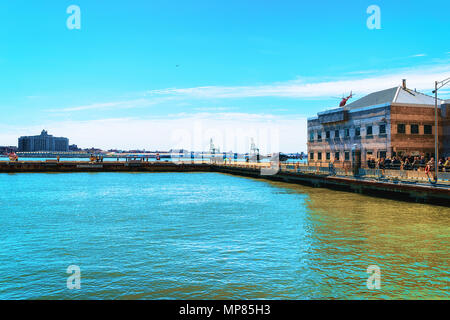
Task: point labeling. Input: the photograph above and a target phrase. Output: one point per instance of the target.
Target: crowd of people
(417, 163)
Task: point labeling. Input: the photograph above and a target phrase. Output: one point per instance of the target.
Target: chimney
(404, 84)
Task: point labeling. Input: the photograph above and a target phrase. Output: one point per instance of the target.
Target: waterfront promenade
(384, 183)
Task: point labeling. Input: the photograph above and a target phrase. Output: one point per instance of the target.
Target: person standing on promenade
(441, 164)
(422, 162)
(447, 165)
(430, 166)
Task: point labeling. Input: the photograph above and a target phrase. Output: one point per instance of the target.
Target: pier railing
(343, 171)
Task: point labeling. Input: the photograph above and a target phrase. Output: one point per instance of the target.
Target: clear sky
(170, 74)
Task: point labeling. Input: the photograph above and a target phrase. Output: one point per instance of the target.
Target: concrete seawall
(80, 166)
(395, 191)
(425, 193)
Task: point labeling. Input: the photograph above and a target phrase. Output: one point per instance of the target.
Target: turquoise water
(212, 236)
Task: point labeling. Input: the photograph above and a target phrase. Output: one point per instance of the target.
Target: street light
(437, 85)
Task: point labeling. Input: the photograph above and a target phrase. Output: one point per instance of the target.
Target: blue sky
(163, 74)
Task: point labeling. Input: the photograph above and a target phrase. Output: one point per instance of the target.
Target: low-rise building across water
(7, 149)
(43, 142)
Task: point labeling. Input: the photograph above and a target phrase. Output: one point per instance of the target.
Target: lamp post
(437, 85)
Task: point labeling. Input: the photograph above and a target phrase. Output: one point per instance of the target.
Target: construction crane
(254, 149)
(212, 148)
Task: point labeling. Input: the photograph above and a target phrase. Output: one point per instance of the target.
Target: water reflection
(408, 241)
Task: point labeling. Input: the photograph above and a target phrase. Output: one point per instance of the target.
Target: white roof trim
(396, 94)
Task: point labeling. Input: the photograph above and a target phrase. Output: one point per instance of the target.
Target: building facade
(7, 149)
(43, 142)
(74, 148)
(446, 128)
(391, 122)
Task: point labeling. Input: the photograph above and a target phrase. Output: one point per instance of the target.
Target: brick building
(446, 128)
(395, 121)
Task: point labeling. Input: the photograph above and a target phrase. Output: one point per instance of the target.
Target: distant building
(396, 121)
(74, 148)
(43, 142)
(93, 150)
(7, 149)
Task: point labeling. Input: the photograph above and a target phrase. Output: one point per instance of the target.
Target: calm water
(208, 235)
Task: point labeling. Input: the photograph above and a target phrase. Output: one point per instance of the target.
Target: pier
(369, 183)
(107, 166)
(396, 190)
